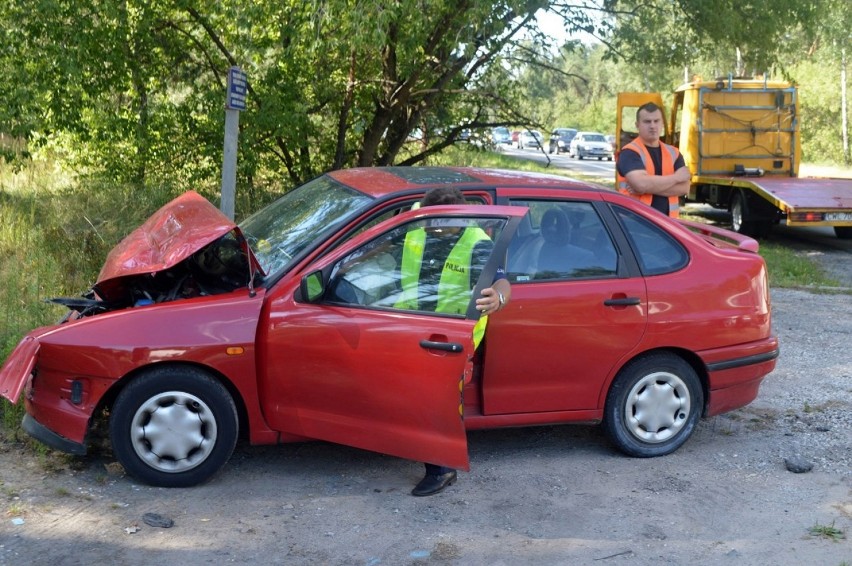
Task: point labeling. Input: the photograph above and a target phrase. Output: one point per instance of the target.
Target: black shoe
(432, 484)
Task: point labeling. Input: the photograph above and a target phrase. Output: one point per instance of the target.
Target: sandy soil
(548, 495)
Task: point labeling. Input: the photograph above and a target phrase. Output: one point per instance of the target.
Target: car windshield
(595, 137)
(280, 231)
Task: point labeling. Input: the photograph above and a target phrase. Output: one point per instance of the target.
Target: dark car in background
(560, 140)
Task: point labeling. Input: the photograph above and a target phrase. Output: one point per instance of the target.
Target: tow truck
(740, 138)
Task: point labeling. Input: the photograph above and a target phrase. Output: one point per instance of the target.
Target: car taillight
(806, 216)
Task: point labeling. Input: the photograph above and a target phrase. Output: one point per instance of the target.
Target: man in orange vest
(650, 170)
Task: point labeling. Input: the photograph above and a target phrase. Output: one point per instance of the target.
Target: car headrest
(555, 228)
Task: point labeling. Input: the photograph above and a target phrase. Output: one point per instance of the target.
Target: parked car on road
(516, 138)
(590, 144)
(501, 136)
(296, 325)
(530, 139)
(560, 140)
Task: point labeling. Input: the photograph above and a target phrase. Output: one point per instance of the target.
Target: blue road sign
(237, 88)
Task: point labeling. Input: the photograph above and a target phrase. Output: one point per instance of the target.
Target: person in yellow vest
(444, 260)
(650, 170)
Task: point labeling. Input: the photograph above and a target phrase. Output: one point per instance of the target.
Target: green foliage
(660, 32)
(133, 91)
(820, 95)
(829, 532)
(787, 268)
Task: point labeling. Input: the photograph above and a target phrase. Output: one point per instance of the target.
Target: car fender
(215, 332)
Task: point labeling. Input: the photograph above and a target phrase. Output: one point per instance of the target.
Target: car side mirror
(311, 287)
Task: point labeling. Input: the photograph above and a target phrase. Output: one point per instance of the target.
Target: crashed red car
(287, 327)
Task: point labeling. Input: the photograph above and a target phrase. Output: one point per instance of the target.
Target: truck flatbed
(805, 200)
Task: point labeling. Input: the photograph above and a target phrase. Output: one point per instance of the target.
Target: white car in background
(530, 138)
(590, 144)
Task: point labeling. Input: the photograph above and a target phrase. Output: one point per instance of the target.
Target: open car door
(351, 354)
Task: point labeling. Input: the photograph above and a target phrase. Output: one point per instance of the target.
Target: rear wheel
(173, 426)
(743, 219)
(653, 406)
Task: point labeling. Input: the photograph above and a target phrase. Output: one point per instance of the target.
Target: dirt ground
(547, 495)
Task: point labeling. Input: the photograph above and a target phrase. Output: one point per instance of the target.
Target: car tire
(743, 219)
(653, 406)
(579, 156)
(173, 426)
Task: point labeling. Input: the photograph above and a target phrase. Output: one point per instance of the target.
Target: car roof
(383, 181)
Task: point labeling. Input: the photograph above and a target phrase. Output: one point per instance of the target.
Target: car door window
(656, 251)
(417, 266)
(560, 240)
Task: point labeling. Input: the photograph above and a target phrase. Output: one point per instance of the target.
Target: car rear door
(579, 305)
(356, 366)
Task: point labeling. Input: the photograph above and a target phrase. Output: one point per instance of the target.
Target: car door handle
(622, 302)
(446, 346)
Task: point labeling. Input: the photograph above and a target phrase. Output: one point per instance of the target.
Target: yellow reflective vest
(454, 286)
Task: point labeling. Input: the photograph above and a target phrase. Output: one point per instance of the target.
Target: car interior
(561, 241)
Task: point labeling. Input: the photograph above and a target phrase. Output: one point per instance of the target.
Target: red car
(288, 327)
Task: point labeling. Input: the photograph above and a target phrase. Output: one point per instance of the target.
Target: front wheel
(653, 406)
(173, 426)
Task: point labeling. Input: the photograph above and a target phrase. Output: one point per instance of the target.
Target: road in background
(604, 170)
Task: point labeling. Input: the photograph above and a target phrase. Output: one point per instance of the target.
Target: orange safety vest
(670, 155)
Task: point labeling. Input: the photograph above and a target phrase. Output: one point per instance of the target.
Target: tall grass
(55, 231)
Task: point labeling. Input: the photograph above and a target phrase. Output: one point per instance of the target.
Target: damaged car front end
(188, 250)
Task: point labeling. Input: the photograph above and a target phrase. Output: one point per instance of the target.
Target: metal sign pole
(235, 102)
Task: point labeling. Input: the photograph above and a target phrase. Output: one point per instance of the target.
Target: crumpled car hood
(169, 236)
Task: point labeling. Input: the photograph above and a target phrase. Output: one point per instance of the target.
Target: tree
(730, 35)
(136, 89)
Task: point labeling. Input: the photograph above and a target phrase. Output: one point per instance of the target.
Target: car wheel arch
(654, 402)
(108, 398)
(688, 356)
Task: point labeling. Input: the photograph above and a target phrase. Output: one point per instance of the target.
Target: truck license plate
(837, 216)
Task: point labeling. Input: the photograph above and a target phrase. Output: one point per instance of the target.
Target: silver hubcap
(737, 215)
(173, 431)
(657, 407)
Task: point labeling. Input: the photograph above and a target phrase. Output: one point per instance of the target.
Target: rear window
(656, 250)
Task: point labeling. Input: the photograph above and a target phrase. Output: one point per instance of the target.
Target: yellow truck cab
(740, 139)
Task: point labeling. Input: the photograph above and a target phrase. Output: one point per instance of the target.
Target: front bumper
(50, 438)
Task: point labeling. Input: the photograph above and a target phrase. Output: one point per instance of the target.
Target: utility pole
(844, 120)
(235, 102)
